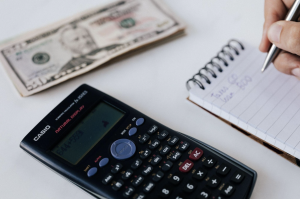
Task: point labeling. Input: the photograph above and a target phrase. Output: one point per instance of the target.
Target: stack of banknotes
(48, 56)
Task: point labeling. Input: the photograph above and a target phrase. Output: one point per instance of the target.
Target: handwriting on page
(227, 92)
(242, 83)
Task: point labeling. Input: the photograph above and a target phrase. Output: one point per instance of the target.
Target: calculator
(111, 150)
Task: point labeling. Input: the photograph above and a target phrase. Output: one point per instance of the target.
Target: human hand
(284, 34)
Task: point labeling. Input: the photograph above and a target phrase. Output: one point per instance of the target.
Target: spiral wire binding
(228, 50)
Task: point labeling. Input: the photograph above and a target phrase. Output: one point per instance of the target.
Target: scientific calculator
(111, 150)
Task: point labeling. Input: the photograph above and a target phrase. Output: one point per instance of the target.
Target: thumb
(285, 35)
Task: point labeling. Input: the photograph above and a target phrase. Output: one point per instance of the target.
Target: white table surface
(152, 81)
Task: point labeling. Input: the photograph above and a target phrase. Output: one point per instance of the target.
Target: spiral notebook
(264, 106)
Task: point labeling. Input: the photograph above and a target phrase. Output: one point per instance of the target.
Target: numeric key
(189, 187)
(176, 179)
(165, 191)
(204, 194)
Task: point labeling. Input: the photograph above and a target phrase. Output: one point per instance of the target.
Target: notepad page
(266, 105)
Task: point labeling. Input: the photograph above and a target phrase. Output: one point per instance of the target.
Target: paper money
(56, 53)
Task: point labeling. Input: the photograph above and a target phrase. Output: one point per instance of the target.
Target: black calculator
(111, 150)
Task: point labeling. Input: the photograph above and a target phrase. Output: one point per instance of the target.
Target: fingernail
(274, 33)
(296, 72)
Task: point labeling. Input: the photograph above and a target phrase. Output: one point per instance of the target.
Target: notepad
(266, 105)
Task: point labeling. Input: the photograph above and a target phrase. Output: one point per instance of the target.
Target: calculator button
(158, 176)
(122, 149)
(103, 162)
(183, 146)
(186, 166)
(175, 156)
(92, 171)
(163, 135)
(154, 144)
(181, 196)
(132, 131)
(196, 154)
(209, 162)
(237, 177)
(140, 121)
(223, 170)
(144, 138)
(136, 164)
(147, 170)
(128, 192)
(228, 190)
(190, 186)
(173, 141)
(214, 181)
(137, 181)
(165, 192)
(116, 168)
(155, 160)
(152, 129)
(118, 185)
(165, 150)
(199, 174)
(145, 154)
(204, 194)
(127, 174)
(176, 178)
(141, 196)
(107, 179)
(149, 186)
(167, 166)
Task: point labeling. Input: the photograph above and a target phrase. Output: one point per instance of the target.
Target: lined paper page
(266, 105)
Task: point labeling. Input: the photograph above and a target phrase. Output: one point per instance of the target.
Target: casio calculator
(111, 150)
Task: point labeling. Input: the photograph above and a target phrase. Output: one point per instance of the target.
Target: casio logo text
(36, 138)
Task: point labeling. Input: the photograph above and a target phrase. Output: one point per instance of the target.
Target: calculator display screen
(87, 133)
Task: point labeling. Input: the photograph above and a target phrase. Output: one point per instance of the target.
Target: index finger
(275, 10)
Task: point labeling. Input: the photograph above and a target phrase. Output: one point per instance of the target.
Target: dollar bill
(66, 49)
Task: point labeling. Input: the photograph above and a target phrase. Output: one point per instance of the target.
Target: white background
(152, 81)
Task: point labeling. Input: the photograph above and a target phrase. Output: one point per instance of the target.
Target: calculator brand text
(36, 138)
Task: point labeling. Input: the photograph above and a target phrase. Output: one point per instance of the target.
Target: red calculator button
(186, 166)
(196, 154)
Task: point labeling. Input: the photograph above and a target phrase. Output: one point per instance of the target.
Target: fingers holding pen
(288, 63)
(286, 36)
(275, 10)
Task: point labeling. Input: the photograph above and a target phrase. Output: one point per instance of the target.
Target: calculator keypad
(191, 171)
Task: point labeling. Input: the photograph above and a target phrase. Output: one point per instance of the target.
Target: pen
(292, 15)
